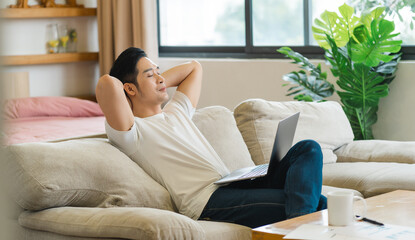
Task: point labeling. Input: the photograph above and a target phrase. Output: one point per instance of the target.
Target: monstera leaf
(316, 89)
(377, 44)
(349, 22)
(339, 29)
(362, 121)
(388, 70)
(367, 18)
(303, 62)
(337, 57)
(313, 87)
(328, 25)
(361, 87)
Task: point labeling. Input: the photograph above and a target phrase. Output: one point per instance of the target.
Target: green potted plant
(363, 56)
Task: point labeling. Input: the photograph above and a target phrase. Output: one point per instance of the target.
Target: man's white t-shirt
(172, 150)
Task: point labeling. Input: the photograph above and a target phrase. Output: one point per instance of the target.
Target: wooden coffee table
(397, 207)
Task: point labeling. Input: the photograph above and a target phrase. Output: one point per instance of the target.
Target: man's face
(152, 88)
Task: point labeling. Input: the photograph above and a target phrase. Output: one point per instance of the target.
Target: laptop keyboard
(258, 171)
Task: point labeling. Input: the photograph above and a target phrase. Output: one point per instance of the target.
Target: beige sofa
(86, 188)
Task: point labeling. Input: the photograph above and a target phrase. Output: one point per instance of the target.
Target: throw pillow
(82, 173)
(50, 106)
(218, 126)
(325, 122)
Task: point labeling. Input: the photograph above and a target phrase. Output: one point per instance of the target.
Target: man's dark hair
(125, 66)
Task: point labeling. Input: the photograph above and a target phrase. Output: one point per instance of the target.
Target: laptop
(282, 144)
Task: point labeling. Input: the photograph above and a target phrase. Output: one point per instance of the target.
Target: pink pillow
(50, 106)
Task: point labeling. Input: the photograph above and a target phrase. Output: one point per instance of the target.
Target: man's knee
(310, 147)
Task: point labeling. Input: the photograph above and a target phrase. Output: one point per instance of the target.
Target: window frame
(249, 50)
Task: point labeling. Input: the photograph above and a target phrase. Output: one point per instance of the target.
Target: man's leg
(299, 173)
(291, 188)
(249, 207)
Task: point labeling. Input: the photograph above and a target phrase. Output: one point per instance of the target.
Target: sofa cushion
(377, 151)
(125, 223)
(325, 122)
(20, 232)
(370, 178)
(85, 172)
(218, 125)
(223, 230)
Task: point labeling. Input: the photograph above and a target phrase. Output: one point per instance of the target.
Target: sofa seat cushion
(218, 126)
(19, 232)
(129, 223)
(325, 122)
(223, 230)
(377, 151)
(370, 178)
(85, 172)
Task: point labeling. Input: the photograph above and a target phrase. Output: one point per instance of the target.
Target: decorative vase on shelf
(63, 38)
(73, 40)
(52, 38)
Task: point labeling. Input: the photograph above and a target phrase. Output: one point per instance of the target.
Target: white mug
(340, 208)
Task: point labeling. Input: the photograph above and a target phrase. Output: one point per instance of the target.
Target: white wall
(28, 36)
(227, 82)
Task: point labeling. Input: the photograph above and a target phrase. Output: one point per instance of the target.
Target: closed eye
(153, 74)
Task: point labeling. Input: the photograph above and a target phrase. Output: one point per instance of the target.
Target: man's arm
(114, 104)
(188, 79)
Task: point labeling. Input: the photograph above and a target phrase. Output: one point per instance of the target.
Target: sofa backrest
(93, 173)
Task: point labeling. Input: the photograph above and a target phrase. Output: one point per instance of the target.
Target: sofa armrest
(377, 151)
(117, 222)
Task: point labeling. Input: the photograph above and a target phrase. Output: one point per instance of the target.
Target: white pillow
(325, 122)
(218, 126)
(80, 173)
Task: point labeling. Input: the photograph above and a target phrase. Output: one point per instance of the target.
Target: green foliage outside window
(392, 7)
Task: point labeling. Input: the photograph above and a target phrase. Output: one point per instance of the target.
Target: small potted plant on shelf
(363, 55)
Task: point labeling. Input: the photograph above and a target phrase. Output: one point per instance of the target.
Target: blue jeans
(291, 188)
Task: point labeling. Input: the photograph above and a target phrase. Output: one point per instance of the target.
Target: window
(265, 13)
(202, 23)
(256, 28)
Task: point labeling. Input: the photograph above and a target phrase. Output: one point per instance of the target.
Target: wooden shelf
(28, 13)
(48, 58)
(46, 12)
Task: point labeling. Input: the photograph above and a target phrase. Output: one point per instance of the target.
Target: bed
(40, 119)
